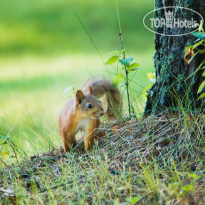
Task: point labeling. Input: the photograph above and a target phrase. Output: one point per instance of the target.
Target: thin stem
(126, 73)
(118, 16)
(122, 46)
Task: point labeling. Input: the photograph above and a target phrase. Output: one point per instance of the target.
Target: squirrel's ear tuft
(79, 97)
(90, 90)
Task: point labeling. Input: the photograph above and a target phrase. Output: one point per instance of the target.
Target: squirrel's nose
(101, 114)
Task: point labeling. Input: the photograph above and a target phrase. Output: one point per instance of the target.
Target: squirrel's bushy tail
(110, 93)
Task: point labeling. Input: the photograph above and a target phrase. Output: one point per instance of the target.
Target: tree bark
(172, 89)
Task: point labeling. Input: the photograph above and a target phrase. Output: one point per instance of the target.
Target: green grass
(31, 92)
(43, 27)
(153, 161)
(44, 49)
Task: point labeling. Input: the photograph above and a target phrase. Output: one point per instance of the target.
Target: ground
(159, 160)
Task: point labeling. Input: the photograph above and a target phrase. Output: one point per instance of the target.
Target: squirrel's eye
(89, 105)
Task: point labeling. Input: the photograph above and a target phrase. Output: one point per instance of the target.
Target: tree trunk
(172, 89)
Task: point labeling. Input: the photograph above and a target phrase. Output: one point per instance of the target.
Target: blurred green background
(44, 49)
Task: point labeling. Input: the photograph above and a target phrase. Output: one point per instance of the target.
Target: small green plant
(126, 66)
(199, 47)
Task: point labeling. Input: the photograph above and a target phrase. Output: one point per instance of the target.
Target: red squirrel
(83, 111)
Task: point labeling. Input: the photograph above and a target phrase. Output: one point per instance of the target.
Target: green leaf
(118, 79)
(4, 153)
(112, 60)
(201, 87)
(199, 35)
(133, 67)
(186, 189)
(126, 61)
(197, 44)
(194, 176)
(133, 200)
(202, 96)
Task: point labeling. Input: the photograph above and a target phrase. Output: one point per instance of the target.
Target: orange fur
(83, 112)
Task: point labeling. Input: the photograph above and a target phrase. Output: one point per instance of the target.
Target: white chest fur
(83, 124)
